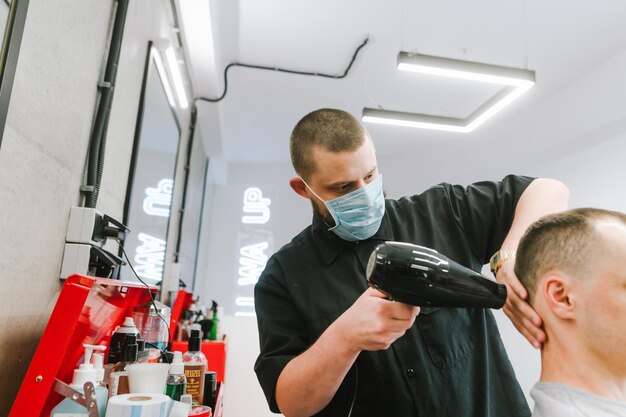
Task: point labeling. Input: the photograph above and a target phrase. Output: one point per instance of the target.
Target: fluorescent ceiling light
(178, 79)
(515, 82)
(163, 76)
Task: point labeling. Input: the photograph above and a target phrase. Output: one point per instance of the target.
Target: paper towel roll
(139, 405)
(147, 378)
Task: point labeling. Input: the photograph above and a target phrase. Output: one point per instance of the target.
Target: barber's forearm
(309, 381)
(543, 196)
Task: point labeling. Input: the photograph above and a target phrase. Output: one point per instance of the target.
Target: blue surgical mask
(357, 214)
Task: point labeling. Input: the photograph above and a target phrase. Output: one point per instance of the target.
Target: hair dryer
(422, 276)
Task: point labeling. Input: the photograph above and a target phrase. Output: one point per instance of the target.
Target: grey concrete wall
(44, 148)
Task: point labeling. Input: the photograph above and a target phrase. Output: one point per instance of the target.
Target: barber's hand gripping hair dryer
(421, 276)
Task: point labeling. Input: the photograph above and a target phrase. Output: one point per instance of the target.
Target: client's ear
(558, 295)
(298, 186)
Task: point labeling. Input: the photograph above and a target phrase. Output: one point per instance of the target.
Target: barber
(331, 346)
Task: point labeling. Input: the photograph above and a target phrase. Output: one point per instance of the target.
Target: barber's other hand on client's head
(518, 310)
(373, 322)
(542, 196)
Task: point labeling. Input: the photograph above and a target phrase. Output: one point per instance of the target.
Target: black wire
(315, 74)
(156, 310)
(356, 387)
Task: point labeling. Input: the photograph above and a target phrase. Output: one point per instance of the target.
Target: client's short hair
(565, 241)
(333, 130)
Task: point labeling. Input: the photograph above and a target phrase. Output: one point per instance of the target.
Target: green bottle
(176, 383)
(216, 321)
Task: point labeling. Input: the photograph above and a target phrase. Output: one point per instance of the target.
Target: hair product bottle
(84, 373)
(98, 365)
(195, 367)
(176, 383)
(118, 381)
(210, 388)
(119, 339)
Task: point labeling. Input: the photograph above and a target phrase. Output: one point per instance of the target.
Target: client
(573, 265)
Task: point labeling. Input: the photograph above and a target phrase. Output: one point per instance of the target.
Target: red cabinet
(87, 311)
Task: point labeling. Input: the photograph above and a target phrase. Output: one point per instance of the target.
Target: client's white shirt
(556, 400)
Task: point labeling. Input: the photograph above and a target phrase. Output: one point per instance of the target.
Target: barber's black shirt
(450, 363)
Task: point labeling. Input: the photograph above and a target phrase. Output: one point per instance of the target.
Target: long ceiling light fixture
(515, 83)
(177, 77)
(163, 76)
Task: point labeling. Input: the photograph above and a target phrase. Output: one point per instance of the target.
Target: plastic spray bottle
(119, 339)
(176, 383)
(83, 374)
(195, 367)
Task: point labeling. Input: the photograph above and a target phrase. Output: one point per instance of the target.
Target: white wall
(44, 148)
(289, 214)
(595, 175)
(219, 262)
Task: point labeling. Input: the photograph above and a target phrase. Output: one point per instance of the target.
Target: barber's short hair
(565, 241)
(331, 129)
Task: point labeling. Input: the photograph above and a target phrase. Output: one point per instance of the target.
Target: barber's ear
(298, 186)
(559, 297)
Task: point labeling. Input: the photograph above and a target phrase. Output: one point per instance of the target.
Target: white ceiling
(561, 40)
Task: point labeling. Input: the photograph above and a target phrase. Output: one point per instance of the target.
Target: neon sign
(158, 200)
(253, 202)
(149, 257)
(150, 253)
(252, 262)
(254, 244)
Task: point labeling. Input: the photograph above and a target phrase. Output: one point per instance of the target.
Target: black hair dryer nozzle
(422, 276)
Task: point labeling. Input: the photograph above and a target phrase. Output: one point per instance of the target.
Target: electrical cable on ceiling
(315, 74)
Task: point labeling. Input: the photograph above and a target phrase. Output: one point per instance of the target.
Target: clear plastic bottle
(151, 319)
(176, 383)
(195, 367)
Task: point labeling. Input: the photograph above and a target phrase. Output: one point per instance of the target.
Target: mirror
(12, 20)
(151, 177)
(188, 243)
(4, 14)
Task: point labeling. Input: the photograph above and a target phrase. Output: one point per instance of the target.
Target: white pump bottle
(85, 372)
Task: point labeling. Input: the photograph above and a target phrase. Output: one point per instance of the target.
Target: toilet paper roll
(139, 405)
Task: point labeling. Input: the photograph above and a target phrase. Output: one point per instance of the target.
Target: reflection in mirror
(188, 243)
(151, 177)
(5, 9)
(12, 20)
(4, 13)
